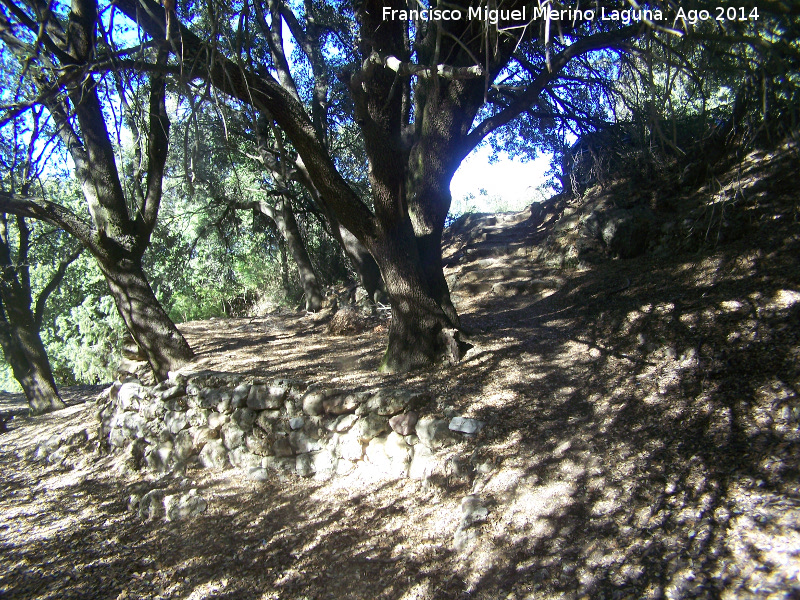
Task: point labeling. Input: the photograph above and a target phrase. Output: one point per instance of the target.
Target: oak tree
(59, 55)
(420, 94)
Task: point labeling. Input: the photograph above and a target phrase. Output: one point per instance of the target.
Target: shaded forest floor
(642, 442)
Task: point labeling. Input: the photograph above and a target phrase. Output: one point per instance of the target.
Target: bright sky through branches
(510, 184)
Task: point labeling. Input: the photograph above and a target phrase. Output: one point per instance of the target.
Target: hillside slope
(641, 435)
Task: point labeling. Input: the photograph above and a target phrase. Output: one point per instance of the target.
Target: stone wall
(225, 420)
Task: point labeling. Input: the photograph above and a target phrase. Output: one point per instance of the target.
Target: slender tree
(58, 56)
(24, 152)
(21, 317)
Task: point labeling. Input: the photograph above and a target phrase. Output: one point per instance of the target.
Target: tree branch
(49, 212)
(274, 35)
(157, 148)
(265, 94)
(52, 285)
(258, 205)
(408, 69)
(598, 41)
(43, 30)
(310, 42)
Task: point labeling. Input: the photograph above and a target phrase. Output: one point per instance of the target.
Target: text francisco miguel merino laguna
(494, 15)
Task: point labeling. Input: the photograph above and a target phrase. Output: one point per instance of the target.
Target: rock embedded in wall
(214, 455)
(404, 424)
(434, 433)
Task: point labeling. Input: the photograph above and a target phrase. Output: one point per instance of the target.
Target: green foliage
(210, 256)
(463, 206)
(735, 79)
(7, 381)
(85, 344)
(211, 264)
(81, 328)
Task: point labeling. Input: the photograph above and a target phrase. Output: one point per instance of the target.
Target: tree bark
(24, 351)
(19, 325)
(367, 270)
(424, 326)
(152, 329)
(121, 241)
(283, 214)
(287, 225)
(284, 265)
(417, 319)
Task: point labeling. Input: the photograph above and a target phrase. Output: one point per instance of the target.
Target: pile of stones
(62, 448)
(262, 426)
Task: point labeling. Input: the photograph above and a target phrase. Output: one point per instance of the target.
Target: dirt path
(641, 442)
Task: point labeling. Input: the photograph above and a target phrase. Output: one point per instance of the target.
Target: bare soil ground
(642, 442)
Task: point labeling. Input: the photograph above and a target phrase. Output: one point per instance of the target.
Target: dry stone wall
(262, 426)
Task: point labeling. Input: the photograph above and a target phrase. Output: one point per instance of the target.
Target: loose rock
(185, 506)
(464, 425)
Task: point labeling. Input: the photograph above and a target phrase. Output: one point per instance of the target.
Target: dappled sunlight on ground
(641, 441)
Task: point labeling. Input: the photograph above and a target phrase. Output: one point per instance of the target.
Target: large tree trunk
(148, 323)
(120, 227)
(24, 351)
(424, 326)
(418, 324)
(421, 332)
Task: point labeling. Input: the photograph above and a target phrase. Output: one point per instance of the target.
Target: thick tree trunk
(430, 255)
(24, 351)
(424, 324)
(415, 332)
(425, 327)
(154, 332)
